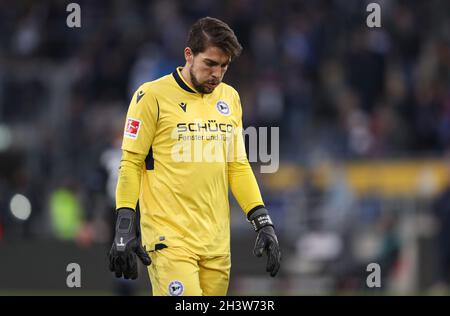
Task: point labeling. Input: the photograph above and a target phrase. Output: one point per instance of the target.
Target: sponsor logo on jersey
(132, 128)
(200, 126)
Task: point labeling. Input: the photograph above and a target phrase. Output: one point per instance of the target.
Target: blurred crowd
(336, 88)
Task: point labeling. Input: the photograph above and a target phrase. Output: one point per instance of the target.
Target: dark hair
(208, 31)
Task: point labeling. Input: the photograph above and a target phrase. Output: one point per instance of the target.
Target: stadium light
(20, 207)
(5, 137)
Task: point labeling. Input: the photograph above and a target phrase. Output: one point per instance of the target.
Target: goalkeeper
(182, 229)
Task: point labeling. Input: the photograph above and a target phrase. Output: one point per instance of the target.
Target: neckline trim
(181, 82)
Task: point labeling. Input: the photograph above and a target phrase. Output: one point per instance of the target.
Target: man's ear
(188, 55)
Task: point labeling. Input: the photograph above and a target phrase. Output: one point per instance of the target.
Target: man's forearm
(129, 180)
(244, 186)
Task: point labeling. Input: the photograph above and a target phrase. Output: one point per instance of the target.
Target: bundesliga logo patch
(132, 128)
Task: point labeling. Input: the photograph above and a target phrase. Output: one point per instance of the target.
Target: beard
(200, 87)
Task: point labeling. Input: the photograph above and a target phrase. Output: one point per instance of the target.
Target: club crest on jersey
(176, 288)
(223, 108)
(132, 128)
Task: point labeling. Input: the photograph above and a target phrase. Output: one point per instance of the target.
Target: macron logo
(183, 106)
(139, 96)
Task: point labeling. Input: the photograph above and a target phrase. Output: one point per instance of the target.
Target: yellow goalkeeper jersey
(182, 150)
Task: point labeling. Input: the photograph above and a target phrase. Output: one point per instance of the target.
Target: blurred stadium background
(364, 117)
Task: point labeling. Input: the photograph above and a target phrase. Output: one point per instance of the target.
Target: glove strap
(125, 221)
(259, 217)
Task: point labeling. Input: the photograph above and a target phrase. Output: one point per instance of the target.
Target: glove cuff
(125, 223)
(259, 218)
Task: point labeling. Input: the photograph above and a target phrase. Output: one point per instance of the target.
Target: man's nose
(217, 72)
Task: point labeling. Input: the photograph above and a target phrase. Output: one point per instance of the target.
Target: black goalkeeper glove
(127, 245)
(266, 240)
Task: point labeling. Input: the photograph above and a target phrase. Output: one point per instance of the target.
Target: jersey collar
(181, 82)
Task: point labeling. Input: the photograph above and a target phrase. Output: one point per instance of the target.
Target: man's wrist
(259, 217)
